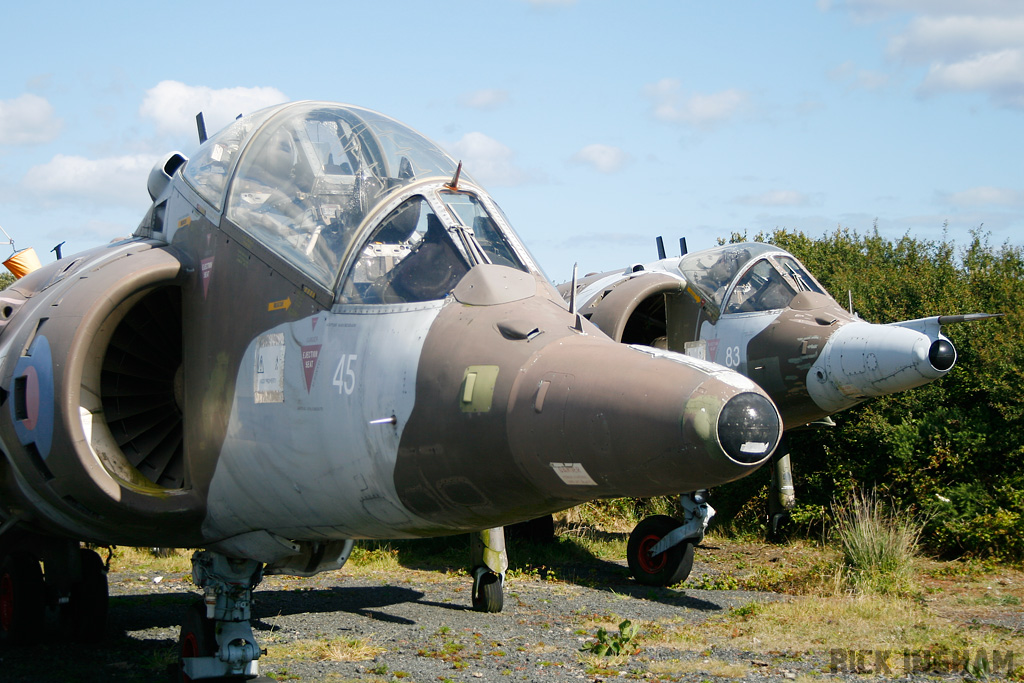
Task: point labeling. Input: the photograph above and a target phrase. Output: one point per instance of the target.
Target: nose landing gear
(216, 637)
(660, 548)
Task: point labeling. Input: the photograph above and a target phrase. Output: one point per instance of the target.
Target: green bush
(959, 439)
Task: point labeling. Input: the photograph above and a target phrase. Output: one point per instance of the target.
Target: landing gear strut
(488, 560)
(216, 637)
(660, 548)
(781, 496)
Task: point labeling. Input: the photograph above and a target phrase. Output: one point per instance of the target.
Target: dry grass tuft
(328, 650)
(878, 545)
(816, 624)
(347, 650)
(706, 666)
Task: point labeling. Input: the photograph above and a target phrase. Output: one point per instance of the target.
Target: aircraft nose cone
(862, 360)
(942, 355)
(598, 419)
(748, 428)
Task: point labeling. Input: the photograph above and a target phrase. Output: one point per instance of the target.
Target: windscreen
(410, 258)
(710, 271)
(468, 211)
(313, 172)
(761, 288)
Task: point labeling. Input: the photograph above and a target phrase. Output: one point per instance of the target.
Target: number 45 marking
(344, 375)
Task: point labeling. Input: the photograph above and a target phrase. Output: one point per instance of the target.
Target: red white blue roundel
(32, 407)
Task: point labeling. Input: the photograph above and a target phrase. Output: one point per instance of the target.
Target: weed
(535, 572)
(745, 611)
(151, 560)
(720, 582)
(768, 578)
(878, 545)
(616, 644)
(375, 557)
(978, 670)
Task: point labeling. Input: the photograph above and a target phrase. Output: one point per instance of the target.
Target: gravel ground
(425, 631)
(421, 619)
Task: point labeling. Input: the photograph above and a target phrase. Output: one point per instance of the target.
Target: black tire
(87, 608)
(489, 596)
(22, 599)
(197, 638)
(667, 568)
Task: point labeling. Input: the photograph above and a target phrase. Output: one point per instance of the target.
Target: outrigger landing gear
(216, 637)
(488, 560)
(782, 495)
(660, 548)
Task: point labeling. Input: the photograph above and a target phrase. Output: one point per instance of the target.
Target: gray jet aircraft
(321, 331)
(756, 309)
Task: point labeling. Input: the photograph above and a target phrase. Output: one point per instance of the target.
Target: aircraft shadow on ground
(560, 559)
(140, 612)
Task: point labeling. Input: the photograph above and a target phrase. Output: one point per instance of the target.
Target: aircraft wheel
(671, 566)
(489, 596)
(197, 637)
(89, 597)
(22, 598)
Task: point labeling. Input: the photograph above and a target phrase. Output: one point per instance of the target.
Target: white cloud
(873, 9)
(604, 158)
(985, 196)
(672, 105)
(775, 198)
(488, 160)
(968, 45)
(173, 106)
(943, 38)
(117, 180)
(1001, 74)
(28, 120)
(484, 99)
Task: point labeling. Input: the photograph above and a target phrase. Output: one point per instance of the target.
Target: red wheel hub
(650, 565)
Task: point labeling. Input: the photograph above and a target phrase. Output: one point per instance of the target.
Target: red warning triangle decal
(310, 355)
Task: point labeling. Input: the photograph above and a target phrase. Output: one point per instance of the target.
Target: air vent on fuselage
(138, 387)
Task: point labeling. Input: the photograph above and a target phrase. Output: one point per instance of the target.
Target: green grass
(878, 545)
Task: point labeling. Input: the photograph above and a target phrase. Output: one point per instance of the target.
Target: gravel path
(424, 631)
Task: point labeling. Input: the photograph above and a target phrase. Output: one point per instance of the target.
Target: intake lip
(749, 428)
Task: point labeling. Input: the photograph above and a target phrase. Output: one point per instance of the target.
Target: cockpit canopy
(312, 181)
(748, 277)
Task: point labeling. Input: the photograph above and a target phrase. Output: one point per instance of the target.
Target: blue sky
(596, 125)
